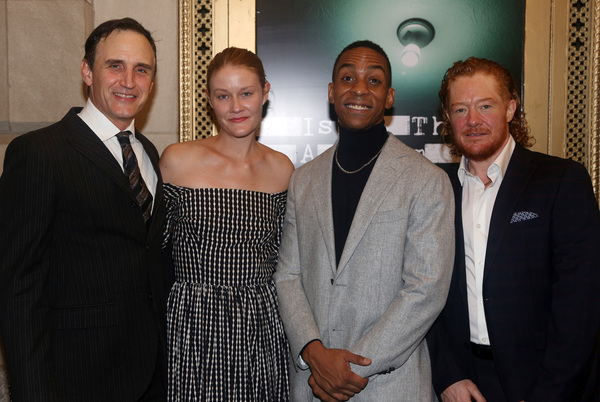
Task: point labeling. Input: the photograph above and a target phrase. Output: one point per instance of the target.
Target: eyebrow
(146, 66)
(247, 88)
(108, 62)
(119, 61)
(476, 101)
(352, 66)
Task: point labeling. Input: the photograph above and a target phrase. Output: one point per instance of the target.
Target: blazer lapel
(320, 198)
(157, 218)
(386, 172)
(85, 141)
(517, 176)
(459, 261)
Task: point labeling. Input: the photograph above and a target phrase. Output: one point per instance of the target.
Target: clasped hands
(331, 377)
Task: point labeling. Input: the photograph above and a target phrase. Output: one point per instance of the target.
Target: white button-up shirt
(477, 205)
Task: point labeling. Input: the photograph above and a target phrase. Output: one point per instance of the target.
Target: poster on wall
(298, 42)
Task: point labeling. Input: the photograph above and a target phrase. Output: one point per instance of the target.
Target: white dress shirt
(477, 205)
(107, 132)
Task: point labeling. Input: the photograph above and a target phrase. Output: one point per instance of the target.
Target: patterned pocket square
(523, 216)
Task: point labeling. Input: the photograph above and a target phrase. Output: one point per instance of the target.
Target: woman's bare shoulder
(180, 157)
(279, 166)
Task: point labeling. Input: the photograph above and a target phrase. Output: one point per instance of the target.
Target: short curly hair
(518, 126)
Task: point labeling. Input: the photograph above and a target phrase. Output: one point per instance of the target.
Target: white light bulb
(411, 55)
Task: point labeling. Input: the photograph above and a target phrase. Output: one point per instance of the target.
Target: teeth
(357, 107)
(125, 96)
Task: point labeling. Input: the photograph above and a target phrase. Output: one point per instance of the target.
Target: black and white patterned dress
(226, 339)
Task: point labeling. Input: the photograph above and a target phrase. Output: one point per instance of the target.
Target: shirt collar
(497, 168)
(100, 124)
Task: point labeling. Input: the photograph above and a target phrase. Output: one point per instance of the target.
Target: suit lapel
(459, 262)
(386, 172)
(85, 141)
(320, 198)
(517, 176)
(156, 220)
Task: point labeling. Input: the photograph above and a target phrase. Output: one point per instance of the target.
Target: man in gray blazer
(367, 250)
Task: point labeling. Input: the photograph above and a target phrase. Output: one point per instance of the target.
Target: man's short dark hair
(103, 30)
(370, 45)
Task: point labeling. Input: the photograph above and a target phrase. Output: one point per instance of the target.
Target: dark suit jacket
(82, 302)
(541, 285)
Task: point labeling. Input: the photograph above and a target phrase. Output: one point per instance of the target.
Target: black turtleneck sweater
(355, 148)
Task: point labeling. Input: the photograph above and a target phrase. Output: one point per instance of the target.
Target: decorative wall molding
(594, 164)
(582, 124)
(205, 28)
(195, 52)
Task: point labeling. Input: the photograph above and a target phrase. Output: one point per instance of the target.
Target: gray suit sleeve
(299, 322)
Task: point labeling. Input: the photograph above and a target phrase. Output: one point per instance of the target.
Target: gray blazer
(392, 279)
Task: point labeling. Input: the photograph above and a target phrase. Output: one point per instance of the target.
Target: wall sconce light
(414, 34)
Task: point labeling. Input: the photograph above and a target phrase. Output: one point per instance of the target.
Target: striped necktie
(132, 170)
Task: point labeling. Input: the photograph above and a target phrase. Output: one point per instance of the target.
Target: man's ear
(389, 99)
(510, 110)
(330, 92)
(86, 72)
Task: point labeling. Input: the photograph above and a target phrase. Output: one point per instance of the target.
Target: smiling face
(360, 92)
(479, 116)
(122, 77)
(237, 98)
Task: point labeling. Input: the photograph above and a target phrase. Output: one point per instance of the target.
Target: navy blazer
(541, 284)
(82, 301)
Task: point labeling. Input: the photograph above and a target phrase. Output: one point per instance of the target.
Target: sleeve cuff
(300, 361)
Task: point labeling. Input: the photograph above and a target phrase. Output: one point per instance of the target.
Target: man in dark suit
(82, 301)
(524, 302)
